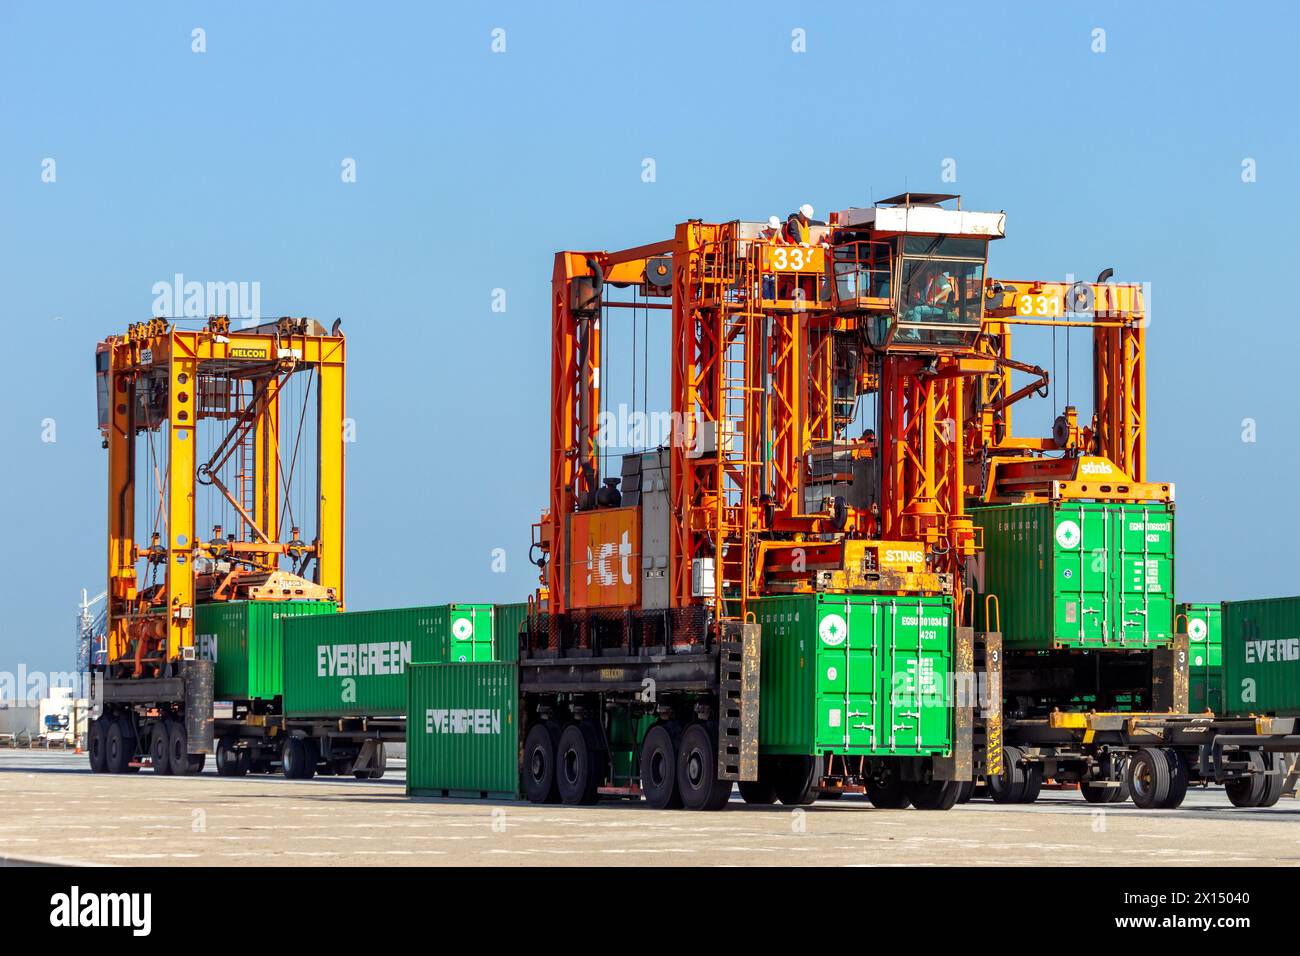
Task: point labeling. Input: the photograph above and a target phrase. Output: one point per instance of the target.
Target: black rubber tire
(797, 779)
(1009, 786)
(659, 769)
(294, 760)
(1096, 794)
(578, 767)
(1033, 782)
(967, 791)
(308, 759)
(311, 752)
(537, 773)
(291, 758)
(97, 746)
(1247, 792)
(1093, 793)
(1121, 793)
(760, 792)
(178, 749)
(887, 791)
(197, 763)
(1179, 778)
(935, 795)
(1275, 782)
(160, 746)
(757, 793)
(697, 770)
(231, 761)
(1148, 778)
(120, 749)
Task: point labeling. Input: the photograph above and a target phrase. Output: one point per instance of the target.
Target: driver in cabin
(940, 291)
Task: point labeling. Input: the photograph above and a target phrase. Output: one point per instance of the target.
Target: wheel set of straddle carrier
(118, 742)
(122, 742)
(1153, 778)
(566, 760)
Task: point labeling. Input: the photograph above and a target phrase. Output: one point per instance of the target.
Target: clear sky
(474, 166)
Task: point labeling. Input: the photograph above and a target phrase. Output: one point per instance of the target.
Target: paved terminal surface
(52, 809)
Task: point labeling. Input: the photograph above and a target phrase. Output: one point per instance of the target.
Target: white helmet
(806, 211)
(773, 222)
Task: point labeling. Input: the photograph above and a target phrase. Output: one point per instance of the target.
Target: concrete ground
(52, 809)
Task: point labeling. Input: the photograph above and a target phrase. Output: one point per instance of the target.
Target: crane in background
(91, 631)
(225, 483)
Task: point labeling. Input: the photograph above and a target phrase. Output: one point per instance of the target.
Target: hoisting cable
(293, 460)
(1054, 378)
(635, 296)
(603, 407)
(645, 366)
(1068, 330)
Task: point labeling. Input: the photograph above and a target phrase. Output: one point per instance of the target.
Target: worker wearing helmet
(797, 229)
(775, 234)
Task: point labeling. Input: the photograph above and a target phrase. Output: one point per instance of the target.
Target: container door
(1081, 544)
(917, 646)
(1214, 672)
(460, 649)
(848, 635)
(1198, 657)
(484, 633)
(1143, 576)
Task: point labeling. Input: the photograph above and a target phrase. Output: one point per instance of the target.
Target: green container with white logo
(472, 636)
(242, 638)
(1203, 624)
(462, 732)
(1077, 574)
(855, 674)
(355, 664)
(1261, 657)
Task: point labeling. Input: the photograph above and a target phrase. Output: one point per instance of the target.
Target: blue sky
(473, 167)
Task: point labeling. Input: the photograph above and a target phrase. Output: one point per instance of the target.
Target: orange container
(604, 558)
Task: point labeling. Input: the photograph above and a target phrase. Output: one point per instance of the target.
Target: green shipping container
(511, 619)
(243, 639)
(355, 664)
(1078, 575)
(1203, 625)
(855, 674)
(462, 738)
(1261, 657)
(472, 635)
